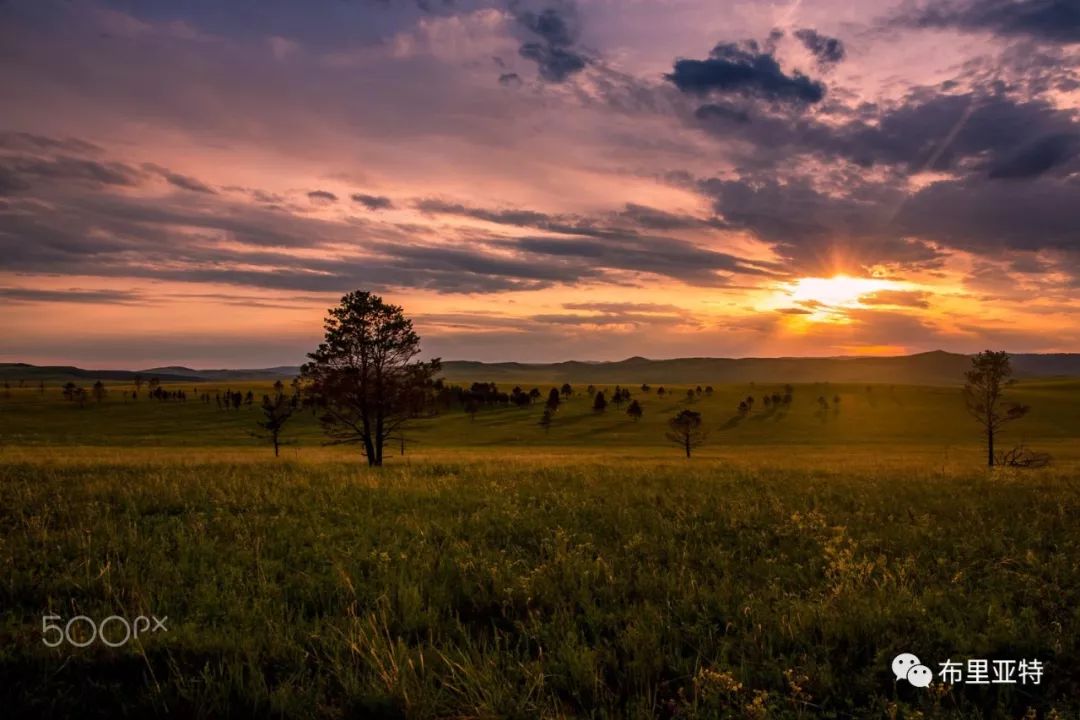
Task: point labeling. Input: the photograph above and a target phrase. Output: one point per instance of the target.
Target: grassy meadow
(498, 570)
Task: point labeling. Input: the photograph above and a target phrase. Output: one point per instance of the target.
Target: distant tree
(685, 430)
(249, 398)
(279, 387)
(276, 412)
(138, 383)
(553, 401)
(766, 400)
(645, 387)
(743, 409)
(154, 384)
(68, 390)
(591, 390)
(99, 392)
(986, 381)
(835, 400)
(708, 390)
(546, 419)
(634, 410)
(364, 374)
(237, 400)
(599, 402)
(661, 392)
(823, 402)
(698, 390)
(567, 390)
(617, 397)
(41, 387)
(690, 395)
(534, 395)
(471, 407)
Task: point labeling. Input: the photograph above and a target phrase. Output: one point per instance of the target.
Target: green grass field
(498, 570)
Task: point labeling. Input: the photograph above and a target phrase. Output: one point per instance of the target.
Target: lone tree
(990, 373)
(99, 391)
(363, 375)
(685, 430)
(552, 403)
(276, 412)
(566, 390)
(634, 410)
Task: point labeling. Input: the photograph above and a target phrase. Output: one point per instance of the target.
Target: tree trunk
(687, 446)
(275, 445)
(990, 447)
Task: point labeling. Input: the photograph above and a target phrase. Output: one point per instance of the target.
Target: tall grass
(530, 588)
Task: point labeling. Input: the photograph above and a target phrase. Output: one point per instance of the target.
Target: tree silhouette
(99, 392)
(990, 373)
(553, 401)
(599, 402)
(634, 410)
(567, 390)
(363, 373)
(276, 412)
(685, 430)
(546, 418)
(661, 391)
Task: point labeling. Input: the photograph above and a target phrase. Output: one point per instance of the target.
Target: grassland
(500, 571)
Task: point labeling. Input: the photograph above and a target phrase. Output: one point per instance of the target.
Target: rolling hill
(931, 368)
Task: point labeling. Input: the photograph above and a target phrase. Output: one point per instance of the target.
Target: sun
(812, 300)
(836, 291)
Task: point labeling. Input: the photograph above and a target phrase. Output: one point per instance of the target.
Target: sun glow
(839, 290)
(826, 299)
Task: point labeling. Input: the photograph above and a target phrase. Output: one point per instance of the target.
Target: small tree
(138, 383)
(567, 390)
(685, 430)
(634, 410)
(471, 407)
(661, 392)
(990, 373)
(276, 412)
(99, 391)
(546, 419)
(599, 402)
(645, 387)
(553, 401)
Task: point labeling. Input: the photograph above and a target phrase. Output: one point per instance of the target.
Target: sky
(196, 183)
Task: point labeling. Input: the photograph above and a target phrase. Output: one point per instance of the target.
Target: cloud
(510, 80)
(373, 202)
(74, 295)
(181, 181)
(322, 196)
(65, 167)
(557, 30)
(744, 69)
(1037, 157)
(900, 298)
(1055, 21)
(827, 50)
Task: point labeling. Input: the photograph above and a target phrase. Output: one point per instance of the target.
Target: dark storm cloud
(373, 202)
(1050, 20)
(557, 30)
(969, 132)
(812, 229)
(94, 297)
(744, 69)
(827, 50)
(322, 196)
(984, 215)
(1037, 157)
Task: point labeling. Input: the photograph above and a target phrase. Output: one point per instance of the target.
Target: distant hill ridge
(929, 368)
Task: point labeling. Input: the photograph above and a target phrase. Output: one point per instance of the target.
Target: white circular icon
(902, 663)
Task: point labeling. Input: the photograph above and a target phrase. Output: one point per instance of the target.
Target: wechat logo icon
(906, 666)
